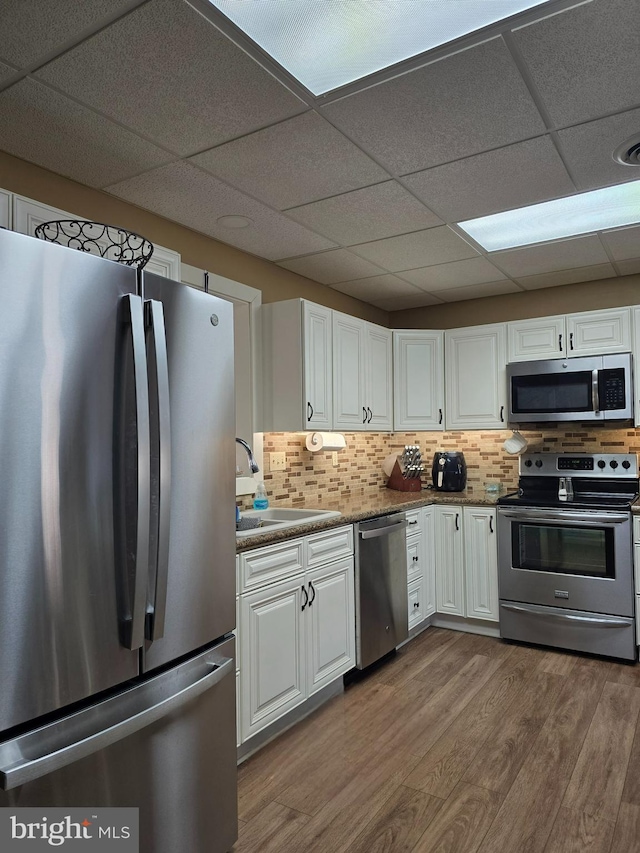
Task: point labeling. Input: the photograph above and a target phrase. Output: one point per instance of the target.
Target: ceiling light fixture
(331, 43)
(234, 221)
(628, 153)
(584, 213)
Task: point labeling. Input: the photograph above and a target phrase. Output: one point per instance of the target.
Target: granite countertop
(356, 507)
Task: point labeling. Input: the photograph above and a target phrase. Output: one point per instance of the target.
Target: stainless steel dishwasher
(381, 587)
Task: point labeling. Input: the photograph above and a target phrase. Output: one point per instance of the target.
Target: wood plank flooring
(460, 744)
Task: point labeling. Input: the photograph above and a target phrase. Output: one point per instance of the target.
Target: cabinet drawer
(271, 563)
(414, 518)
(636, 529)
(415, 558)
(328, 546)
(415, 593)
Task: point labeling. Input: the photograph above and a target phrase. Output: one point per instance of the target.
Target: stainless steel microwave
(596, 388)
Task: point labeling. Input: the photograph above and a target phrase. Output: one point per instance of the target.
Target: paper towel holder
(325, 441)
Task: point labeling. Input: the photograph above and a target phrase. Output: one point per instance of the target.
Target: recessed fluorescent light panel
(326, 44)
(598, 210)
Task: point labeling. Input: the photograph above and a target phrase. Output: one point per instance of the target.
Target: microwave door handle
(595, 396)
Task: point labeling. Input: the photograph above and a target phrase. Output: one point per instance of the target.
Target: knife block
(400, 484)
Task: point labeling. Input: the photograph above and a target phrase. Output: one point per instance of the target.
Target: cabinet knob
(415, 559)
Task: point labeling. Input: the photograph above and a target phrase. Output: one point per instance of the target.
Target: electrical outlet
(277, 461)
(334, 458)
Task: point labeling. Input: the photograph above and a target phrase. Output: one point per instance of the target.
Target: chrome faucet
(253, 465)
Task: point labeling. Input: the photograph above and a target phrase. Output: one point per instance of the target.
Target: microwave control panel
(611, 390)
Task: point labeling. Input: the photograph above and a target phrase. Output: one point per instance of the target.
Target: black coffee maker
(449, 471)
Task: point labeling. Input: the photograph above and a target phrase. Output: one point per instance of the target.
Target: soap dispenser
(260, 501)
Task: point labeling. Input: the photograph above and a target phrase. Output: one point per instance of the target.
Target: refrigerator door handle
(46, 756)
(135, 619)
(161, 435)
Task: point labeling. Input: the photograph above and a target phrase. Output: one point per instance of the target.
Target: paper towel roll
(325, 441)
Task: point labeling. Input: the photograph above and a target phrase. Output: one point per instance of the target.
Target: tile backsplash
(311, 478)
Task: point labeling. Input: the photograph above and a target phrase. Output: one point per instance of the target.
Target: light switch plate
(277, 461)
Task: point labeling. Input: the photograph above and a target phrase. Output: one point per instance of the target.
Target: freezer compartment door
(166, 747)
(61, 317)
(192, 591)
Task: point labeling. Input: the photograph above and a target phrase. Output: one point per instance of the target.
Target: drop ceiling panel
(185, 194)
(424, 118)
(584, 61)
(332, 267)
(623, 244)
(629, 267)
(402, 303)
(33, 29)
(169, 74)
(45, 127)
(550, 257)
(293, 162)
(420, 249)
(457, 274)
(514, 176)
(479, 291)
(572, 276)
(588, 148)
(372, 213)
(378, 287)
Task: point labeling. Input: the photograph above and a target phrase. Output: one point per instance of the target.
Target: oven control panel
(609, 465)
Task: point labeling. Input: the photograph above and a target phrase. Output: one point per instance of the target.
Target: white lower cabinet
(297, 634)
(466, 562)
(420, 565)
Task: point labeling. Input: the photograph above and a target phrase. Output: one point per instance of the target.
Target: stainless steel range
(565, 555)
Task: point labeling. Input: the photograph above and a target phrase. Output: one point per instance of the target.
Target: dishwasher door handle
(383, 531)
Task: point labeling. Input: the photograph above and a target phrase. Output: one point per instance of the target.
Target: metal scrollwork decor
(108, 241)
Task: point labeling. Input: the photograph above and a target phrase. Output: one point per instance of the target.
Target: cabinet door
(418, 386)
(429, 557)
(272, 673)
(330, 623)
(349, 412)
(318, 377)
(597, 332)
(543, 337)
(5, 209)
(481, 563)
(476, 377)
(379, 377)
(449, 560)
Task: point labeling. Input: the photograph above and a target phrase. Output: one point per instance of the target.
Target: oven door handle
(607, 622)
(593, 519)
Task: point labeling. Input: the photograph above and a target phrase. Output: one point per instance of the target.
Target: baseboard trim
(470, 626)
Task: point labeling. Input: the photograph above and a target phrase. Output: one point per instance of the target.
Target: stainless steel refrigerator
(117, 545)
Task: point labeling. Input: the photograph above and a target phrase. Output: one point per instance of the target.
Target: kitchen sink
(279, 519)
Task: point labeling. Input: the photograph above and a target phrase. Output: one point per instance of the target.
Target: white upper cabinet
(476, 377)
(587, 333)
(297, 358)
(543, 337)
(597, 332)
(362, 375)
(28, 214)
(349, 384)
(5, 209)
(379, 377)
(418, 380)
(317, 345)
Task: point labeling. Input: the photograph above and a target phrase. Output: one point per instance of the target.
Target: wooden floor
(459, 744)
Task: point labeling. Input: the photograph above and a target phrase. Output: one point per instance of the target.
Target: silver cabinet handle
(28, 769)
(383, 531)
(609, 622)
(159, 408)
(135, 582)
